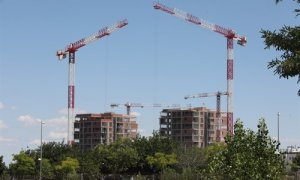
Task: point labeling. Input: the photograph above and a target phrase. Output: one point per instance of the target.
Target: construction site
(93, 129)
(149, 90)
(197, 126)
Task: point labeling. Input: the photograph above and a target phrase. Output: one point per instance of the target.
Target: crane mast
(129, 106)
(70, 50)
(229, 34)
(218, 110)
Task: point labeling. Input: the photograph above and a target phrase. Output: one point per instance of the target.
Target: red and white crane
(229, 34)
(218, 109)
(130, 105)
(70, 50)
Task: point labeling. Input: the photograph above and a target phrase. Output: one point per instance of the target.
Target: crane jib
(122, 23)
(84, 41)
(193, 19)
(76, 45)
(226, 32)
(164, 8)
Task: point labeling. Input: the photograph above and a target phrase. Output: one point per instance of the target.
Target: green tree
(159, 143)
(3, 168)
(191, 158)
(247, 155)
(149, 146)
(160, 161)
(118, 157)
(143, 148)
(101, 154)
(56, 152)
(22, 165)
(47, 169)
(296, 10)
(89, 165)
(67, 168)
(296, 163)
(287, 41)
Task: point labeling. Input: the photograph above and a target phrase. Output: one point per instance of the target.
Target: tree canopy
(247, 155)
(296, 163)
(22, 165)
(160, 161)
(287, 41)
(118, 157)
(2, 167)
(67, 168)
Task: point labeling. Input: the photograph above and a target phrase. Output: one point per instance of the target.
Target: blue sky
(157, 58)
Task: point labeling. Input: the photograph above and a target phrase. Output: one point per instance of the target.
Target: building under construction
(192, 126)
(93, 129)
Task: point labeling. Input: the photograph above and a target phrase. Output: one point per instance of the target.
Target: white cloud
(52, 136)
(64, 111)
(1, 105)
(58, 135)
(135, 114)
(28, 120)
(54, 122)
(2, 125)
(57, 122)
(13, 108)
(3, 139)
(37, 141)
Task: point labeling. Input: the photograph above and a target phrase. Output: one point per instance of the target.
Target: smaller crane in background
(218, 109)
(130, 105)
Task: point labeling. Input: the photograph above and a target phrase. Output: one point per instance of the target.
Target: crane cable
(106, 67)
(155, 65)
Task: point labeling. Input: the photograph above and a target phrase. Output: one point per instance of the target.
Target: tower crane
(130, 105)
(229, 34)
(218, 109)
(70, 50)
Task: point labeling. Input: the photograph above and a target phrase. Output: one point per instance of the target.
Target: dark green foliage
(143, 148)
(22, 165)
(59, 160)
(296, 163)
(287, 41)
(163, 144)
(56, 152)
(191, 159)
(296, 10)
(67, 168)
(149, 146)
(3, 168)
(89, 166)
(118, 157)
(47, 169)
(160, 161)
(248, 155)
